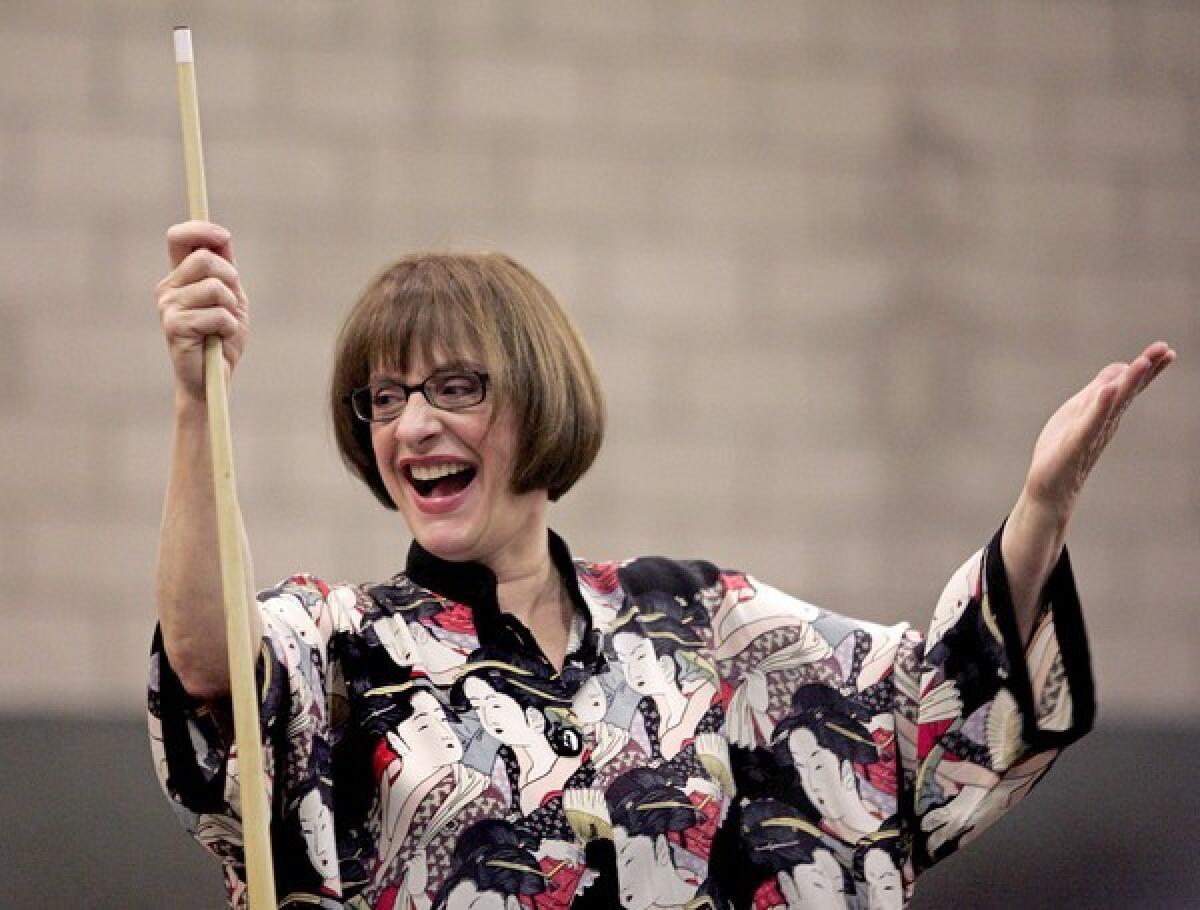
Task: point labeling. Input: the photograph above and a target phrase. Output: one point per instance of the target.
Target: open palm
(1077, 433)
(1064, 455)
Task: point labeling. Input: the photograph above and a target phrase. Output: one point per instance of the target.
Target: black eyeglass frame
(359, 400)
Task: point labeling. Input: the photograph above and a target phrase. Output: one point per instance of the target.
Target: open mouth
(439, 481)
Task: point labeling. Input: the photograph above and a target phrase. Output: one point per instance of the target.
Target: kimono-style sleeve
(979, 716)
(196, 758)
(864, 753)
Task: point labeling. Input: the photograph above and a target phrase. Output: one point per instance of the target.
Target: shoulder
(675, 577)
(304, 599)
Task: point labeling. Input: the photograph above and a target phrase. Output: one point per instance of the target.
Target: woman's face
(820, 772)
(642, 859)
(884, 885)
(814, 886)
(427, 732)
(482, 520)
(590, 702)
(499, 714)
(318, 835)
(641, 666)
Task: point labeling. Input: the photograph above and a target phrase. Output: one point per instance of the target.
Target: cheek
(383, 448)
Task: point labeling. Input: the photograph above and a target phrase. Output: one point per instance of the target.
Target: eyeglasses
(449, 390)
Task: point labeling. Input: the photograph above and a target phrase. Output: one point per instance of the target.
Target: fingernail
(221, 232)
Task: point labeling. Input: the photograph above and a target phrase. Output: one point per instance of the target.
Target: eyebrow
(445, 366)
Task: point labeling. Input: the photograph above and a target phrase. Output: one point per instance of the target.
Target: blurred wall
(838, 261)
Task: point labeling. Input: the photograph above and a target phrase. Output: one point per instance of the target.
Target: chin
(454, 544)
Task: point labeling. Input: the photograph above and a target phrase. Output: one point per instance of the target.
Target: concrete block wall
(837, 261)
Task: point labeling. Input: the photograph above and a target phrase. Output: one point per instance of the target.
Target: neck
(676, 703)
(529, 587)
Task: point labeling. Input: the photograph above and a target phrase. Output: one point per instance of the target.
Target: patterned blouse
(710, 742)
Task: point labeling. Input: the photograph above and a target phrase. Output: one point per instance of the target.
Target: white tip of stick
(183, 44)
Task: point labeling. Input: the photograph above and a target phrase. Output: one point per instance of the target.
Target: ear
(848, 780)
(662, 851)
(534, 718)
(666, 664)
(419, 633)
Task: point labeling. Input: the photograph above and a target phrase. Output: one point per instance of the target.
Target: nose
(418, 422)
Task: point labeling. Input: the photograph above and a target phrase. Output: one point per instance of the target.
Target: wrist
(1041, 518)
(1033, 538)
(189, 405)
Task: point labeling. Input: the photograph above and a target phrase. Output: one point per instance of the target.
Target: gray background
(837, 261)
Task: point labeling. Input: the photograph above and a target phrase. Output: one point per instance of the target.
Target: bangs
(424, 319)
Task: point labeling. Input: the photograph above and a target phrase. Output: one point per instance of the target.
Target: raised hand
(1065, 453)
(1072, 440)
(202, 295)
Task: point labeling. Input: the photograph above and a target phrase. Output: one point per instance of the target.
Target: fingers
(1161, 358)
(1129, 379)
(197, 324)
(184, 238)
(207, 294)
(201, 264)
(1115, 387)
(1143, 370)
(204, 274)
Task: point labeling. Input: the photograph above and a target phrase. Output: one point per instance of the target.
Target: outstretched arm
(1064, 455)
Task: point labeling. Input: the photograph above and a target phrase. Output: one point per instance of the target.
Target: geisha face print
(590, 703)
(647, 675)
(829, 782)
(502, 716)
(426, 733)
(885, 889)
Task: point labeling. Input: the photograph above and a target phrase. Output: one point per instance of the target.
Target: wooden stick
(256, 831)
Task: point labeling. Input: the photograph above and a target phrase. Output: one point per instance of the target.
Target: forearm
(1031, 544)
(190, 597)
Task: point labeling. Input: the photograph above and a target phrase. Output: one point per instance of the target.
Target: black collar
(474, 584)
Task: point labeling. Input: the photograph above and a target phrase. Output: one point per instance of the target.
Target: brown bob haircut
(476, 306)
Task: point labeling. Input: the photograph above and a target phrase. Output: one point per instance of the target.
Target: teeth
(434, 471)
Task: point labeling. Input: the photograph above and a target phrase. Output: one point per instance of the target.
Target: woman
(464, 399)
(663, 662)
(520, 718)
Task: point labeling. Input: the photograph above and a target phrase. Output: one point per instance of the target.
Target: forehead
(803, 739)
(825, 861)
(478, 686)
(631, 847)
(419, 365)
(628, 642)
(424, 703)
(417, 329)
(877, 863)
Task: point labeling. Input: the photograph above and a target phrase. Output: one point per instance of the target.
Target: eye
(386, 397)
(456, 387)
